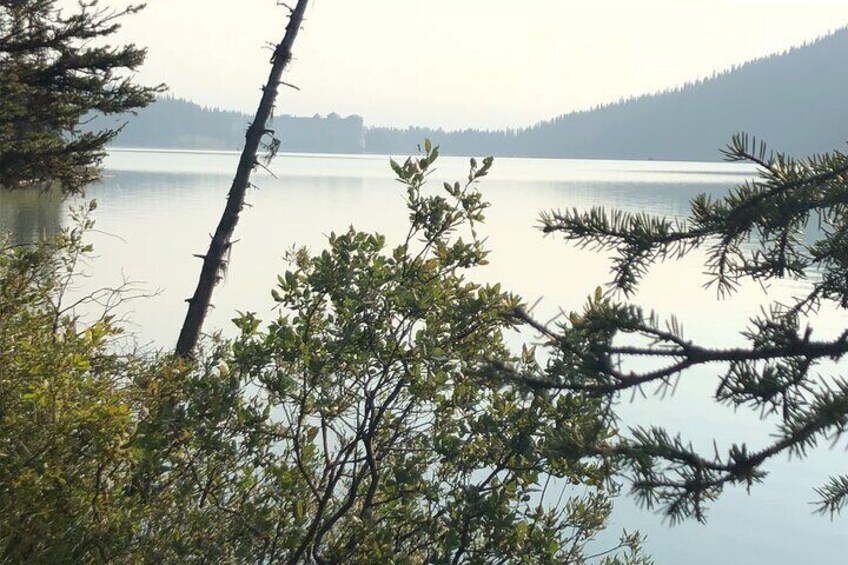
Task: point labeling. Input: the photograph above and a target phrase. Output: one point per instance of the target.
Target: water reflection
(28, 216)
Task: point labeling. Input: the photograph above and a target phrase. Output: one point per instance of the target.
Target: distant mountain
(796, 100)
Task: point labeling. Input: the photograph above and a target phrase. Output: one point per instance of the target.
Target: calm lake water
(157, 209)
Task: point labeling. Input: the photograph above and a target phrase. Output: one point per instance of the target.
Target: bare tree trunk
(198, 305)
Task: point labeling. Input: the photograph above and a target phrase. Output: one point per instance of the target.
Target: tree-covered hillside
(798, 100)
(177, 123)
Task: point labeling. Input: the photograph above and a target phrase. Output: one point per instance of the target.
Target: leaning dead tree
(213, 260)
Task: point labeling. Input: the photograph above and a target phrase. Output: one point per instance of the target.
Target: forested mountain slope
(797, 100)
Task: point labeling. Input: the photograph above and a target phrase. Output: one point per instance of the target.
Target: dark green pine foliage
(55, 69)
(753, 233)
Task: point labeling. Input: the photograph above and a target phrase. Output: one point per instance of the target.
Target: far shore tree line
(690, 123)
(380, 416)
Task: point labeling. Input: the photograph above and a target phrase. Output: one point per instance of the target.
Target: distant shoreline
(742, 167)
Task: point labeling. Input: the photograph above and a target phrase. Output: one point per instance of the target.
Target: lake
(156, 209)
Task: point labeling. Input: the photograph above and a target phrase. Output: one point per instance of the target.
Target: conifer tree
(55, 73)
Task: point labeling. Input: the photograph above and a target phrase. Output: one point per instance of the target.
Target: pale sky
(462, 63)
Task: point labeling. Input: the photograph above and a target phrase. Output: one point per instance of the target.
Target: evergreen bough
(754, 233)
(56, 73)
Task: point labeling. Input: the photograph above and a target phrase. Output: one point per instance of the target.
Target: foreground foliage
(351, 429)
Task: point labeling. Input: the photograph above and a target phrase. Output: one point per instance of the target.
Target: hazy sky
(457, 63)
